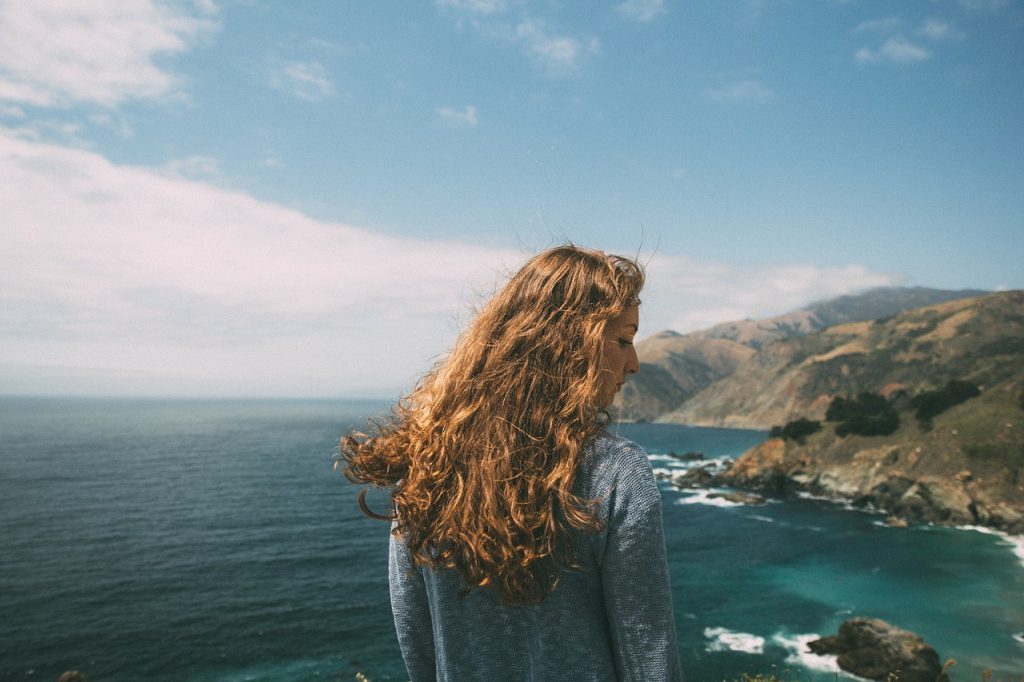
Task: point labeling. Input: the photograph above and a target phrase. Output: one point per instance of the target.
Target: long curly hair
(481, 456)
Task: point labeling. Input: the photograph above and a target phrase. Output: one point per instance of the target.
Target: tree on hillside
(932, 403)
(869, 414)
(796, 430)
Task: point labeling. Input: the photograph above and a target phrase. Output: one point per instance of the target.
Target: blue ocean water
(211, 541)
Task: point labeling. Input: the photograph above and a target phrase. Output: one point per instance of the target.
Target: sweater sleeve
(634, 574)
(411, 611)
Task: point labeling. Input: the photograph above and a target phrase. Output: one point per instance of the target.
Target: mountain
(676, 367)
(979, 339)
(961, 465)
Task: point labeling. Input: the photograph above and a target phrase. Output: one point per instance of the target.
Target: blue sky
(308, 198)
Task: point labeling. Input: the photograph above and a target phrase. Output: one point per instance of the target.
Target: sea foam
(701, 496)
(1014, 541)
(723, 639)
(797, 653)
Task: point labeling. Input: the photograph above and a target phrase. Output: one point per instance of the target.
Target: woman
(526, 541)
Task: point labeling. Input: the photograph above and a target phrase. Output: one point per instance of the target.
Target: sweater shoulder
(611, 460)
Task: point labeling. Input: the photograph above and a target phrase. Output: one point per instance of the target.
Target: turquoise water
(210, 541)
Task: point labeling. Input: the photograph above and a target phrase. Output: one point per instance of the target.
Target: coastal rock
(872, 648)
(917, 474)
(740, 497)
(699, 477)
(764, 467)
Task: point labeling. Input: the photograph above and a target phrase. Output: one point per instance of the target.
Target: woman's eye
(625, 342)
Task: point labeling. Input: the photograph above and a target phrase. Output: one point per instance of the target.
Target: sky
(310, 199)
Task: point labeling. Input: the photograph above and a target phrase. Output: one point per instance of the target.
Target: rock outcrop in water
(872, 649)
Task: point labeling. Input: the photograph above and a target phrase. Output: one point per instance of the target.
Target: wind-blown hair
(483, 453)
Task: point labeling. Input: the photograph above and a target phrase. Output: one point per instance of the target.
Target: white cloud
(897, 49)
(475, 6)
(743, 91)
(9, 111)
(686, 295)
(193, 167)
(939, 31)
(883, 25)
(464, 118)
(305, 80)
(641, 10)
(985, 5)
(60, 52)
(558, 54)
(178, 285)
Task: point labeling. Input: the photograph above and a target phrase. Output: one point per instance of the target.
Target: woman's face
(619, 357)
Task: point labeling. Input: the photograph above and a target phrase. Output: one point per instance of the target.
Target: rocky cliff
(965, 467)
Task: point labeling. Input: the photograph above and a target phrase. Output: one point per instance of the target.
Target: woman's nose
(633, 364)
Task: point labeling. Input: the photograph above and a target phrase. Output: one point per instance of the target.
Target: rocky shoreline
(871, 477)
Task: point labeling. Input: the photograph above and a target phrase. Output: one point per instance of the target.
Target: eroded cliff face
(968, 468)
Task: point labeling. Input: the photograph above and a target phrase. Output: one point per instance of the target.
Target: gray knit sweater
(612, 620)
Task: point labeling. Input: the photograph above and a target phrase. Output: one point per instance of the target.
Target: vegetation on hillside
(796, 430)
(869, 414)
(932, 403)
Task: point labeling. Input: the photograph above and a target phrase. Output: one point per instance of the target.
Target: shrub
(874, 425)
(865, 404)
(796, 430)
(869, 414)
(931, 403)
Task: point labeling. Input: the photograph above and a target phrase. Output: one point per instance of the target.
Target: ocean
(210, 540)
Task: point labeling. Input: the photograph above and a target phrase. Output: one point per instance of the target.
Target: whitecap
(766, 519)
(665, 459)
(1014, 541)
(701, 496)
(723, 639)
(797, 653)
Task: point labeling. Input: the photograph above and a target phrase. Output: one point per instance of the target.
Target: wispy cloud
(458, 118)
(985, 5)
(558, 54)
(201, 167)
(9, 111)
(120, 268)
(482, 7)
(941, 31)
(56, 53)
(884, 25)
(687, 295)
(305, 80)
(641, 10)
(897, 50)
(748, 91)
